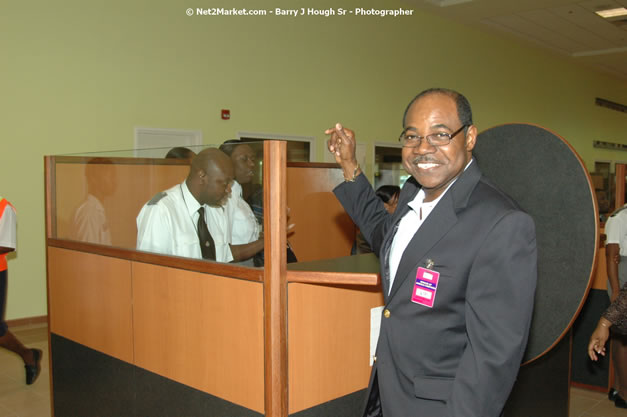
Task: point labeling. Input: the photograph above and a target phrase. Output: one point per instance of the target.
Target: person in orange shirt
(8, 243)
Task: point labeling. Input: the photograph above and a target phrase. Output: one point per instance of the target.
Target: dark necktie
(207, 246)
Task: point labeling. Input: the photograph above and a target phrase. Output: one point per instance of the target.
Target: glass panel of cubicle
(132, 200)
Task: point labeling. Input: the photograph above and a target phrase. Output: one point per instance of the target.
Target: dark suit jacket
(459, 358)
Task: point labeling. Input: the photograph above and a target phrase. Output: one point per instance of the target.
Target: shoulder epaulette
(156, 198)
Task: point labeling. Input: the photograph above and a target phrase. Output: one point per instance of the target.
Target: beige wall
(79, 76)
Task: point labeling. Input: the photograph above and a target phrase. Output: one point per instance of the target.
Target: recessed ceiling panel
(588, 19)
(539, 33)
(584, 38)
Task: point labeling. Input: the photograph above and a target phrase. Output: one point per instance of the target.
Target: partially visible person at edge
(244, 225)
(180, 152)
(389, 195)
(458, 269)
(8, 243)
(616, 265)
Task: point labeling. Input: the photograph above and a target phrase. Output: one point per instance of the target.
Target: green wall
(79, 76)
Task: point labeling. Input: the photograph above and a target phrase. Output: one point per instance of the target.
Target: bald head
(210, 177)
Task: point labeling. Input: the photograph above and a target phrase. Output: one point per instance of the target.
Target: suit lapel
(409, 190)
(437, 224)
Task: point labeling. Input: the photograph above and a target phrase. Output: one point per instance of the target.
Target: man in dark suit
(458, 267)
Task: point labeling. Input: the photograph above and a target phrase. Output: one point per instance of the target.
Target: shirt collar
(236, 189)
(190, 201)
(420, 197)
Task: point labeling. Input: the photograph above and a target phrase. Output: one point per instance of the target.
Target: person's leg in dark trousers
(31, 357)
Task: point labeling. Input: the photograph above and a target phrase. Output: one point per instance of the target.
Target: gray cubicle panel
(542, 172)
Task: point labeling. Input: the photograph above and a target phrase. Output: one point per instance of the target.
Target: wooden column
(620, 186)
(275, 278)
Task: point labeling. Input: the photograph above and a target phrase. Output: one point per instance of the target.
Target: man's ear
(471, 138)
(202, 176)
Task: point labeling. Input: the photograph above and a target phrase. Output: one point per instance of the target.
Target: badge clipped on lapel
(426, 285)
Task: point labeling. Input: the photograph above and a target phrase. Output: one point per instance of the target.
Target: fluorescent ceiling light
(620, 11)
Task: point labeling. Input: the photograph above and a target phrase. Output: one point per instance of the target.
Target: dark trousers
(3, 301)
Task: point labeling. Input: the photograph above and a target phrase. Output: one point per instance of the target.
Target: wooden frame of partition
(620, 185)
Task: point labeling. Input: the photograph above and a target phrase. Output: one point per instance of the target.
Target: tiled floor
(19, 400)
(16, 398)
(584, 403)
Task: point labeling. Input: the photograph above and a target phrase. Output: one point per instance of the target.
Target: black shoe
(619, 402)
(32, 371)
(611, 395)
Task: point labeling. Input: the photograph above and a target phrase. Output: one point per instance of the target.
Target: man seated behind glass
(170, 222)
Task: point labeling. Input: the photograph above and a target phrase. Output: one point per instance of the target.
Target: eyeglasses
(409, 139)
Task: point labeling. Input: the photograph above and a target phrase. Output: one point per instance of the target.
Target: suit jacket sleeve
(365, 208)
(499, 305)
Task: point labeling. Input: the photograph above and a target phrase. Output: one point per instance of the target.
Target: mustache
(422, 159)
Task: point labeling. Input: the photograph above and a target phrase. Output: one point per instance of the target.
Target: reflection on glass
(89, 222)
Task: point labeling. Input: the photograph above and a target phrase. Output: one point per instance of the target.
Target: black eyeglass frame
(419, 139)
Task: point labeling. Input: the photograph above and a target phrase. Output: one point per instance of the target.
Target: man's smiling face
(434, 167)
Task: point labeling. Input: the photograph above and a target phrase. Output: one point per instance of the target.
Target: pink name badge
(425, 287)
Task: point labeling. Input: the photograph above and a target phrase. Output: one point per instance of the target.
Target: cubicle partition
(135, 333)
(317, 215)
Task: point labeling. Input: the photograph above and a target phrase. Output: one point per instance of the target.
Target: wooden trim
(275, 279)
(620, 186)
(117, 160)
(341, 278)
(27, 321)
(50, 214)
(50, 196)
(50, 374)
(190, 264)
(313, 165)
(588, 387)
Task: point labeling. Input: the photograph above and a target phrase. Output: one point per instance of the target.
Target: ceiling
(566, 27)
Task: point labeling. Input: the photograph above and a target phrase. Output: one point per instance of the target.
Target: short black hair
(228, 146)
(180, 152)
(464, 112)
(387, 192)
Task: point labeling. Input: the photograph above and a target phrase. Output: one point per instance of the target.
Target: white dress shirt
(167, 224)
(245, 226)
(616, 230)
(409, 225)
